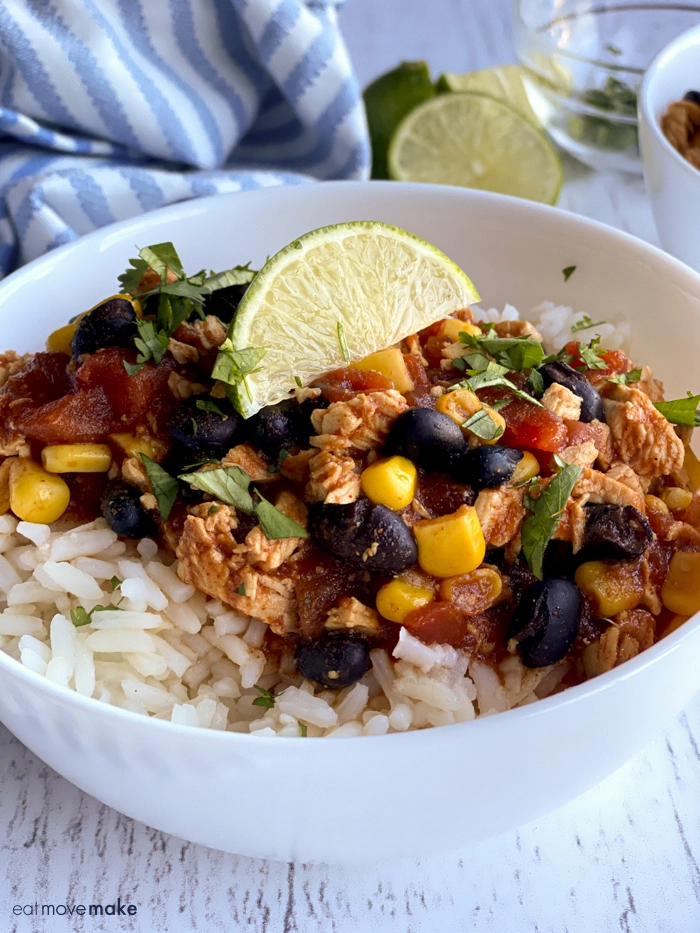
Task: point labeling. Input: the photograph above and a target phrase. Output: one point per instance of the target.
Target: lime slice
(336, 295)
(387, 101)
(475, 141)
(503, 83)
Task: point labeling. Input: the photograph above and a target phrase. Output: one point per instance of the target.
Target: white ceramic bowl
(673, 184)
(397, 795)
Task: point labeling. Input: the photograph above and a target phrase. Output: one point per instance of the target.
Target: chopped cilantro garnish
(536, 382)
(205, 404)
(515, 353)
(240, 590)
(493, 375)
(233, 366)
(266, 699)
(568, 272)
(545, 515)
(613, 49)
(303, 731)
(276, 467)
(115, 583)
(298, 381)
(483, 425)
(584, 323)
(591, 354)
(681, 410)
(276, 524)
(626, 379)
(150, 343)
(79, 616)
(165, 486)
(343, 343)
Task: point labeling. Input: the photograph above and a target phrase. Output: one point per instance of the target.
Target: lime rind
(474, 140)
(381, 283)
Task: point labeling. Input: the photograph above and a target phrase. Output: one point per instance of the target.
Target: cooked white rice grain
(80, 543)
(353, 703)
(14, 625)
(120, 641)
(71, 580)
(8, 524)
(84, 676)
(59, 671)
(186, 715)
(9, 577)
(304, 706)
(231, 623)
(170, 583)
(33, 661)
(37, 534)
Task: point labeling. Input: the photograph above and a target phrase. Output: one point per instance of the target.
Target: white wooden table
(625, 856)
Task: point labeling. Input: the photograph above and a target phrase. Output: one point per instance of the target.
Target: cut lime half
(475, 141)
(502, 83)
(336, 295)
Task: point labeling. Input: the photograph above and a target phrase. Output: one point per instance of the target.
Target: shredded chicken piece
(642, 437)
(501, 513)
(148, 501)
(255, 465)
(599, 487)
(621, 473)
(562, 402)
(518, 329)
(14, 445)
(333, 479)
(603, 442)
(296, 466)
(183, 352)
(362, 422)
(583, 455)
(573, 523)
(134, 472)
(10, 364)
(271, 553)
(651, 386)
(352, 615)
(629, 633)
(204, 335)
(182, 388)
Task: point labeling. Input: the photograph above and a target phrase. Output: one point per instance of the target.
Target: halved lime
(474, 141)
(336, 295)
(502, 83)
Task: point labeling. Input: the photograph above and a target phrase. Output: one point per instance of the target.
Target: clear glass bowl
(583, 63)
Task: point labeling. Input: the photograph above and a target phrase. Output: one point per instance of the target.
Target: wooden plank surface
(624, 857)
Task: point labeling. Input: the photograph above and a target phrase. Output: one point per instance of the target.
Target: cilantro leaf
(681, 410)
(115, 583)
(232, 366)
(131, 279)
(303, 731)
(515, 353)
(266, 699)
(205, 404)
(483, 425)
(536, 382)
(568, 272)
(228, 484)
(494, 375)
(161, 257)
(545, 516)
(591, 354)
(276, 467)
(239, 275)
(165, 486)
(298, 382)
(150, 343)
(79, 616)
(132, 368)
(626, 379)
(276, 524)
(240, 590)
(584, 324)
(343, 343)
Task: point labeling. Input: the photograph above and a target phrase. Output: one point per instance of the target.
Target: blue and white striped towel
(109, 108)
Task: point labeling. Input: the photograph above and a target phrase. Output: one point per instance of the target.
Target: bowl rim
(44, 264)
(687, 39)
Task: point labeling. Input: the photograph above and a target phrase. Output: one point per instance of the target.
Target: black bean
(546, 622)
(122, 510)
(282, 426)
(692, 96)
(224, 302)
(111, 324)
(565, 375)
(336, 660)
(364, 535)
(614, 532)
(201, 434)
(428, 438)
(488, 466)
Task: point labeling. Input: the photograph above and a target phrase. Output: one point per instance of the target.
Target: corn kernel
(452, 327)
(654, 504)
(473, 592)
(461, 404)
(135, 444)
(76, 458)
(691, 464)
(681, 590)
(526, 469)
(676, 498)
(396, 599)
(391, 482)
(450, 545)
(60, 340)
(389, 363)
(674, 624)
(35, 495)
(613, 587)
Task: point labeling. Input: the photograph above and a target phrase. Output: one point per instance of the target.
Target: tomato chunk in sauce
(74, 419)
(529, 425)
(130, 395)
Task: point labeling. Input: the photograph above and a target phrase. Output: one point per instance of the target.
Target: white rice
(166, 651)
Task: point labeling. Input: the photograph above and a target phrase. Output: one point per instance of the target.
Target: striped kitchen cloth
(110, 108)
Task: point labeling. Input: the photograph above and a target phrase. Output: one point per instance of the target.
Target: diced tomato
(615, 362)
(343, 384)
(131, 396)
(529, 425)
(579, 433)
(416, 370)
(442, 495)
(74, 419)
(432, 349)
(440, 622)
(44, 379)
(421, 398)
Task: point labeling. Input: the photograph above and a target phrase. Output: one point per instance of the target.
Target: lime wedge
(387, 101)
(503, 83)
(474, 141)
(334, 296)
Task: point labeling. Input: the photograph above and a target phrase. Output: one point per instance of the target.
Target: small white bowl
(372, 797)
(673, 184)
